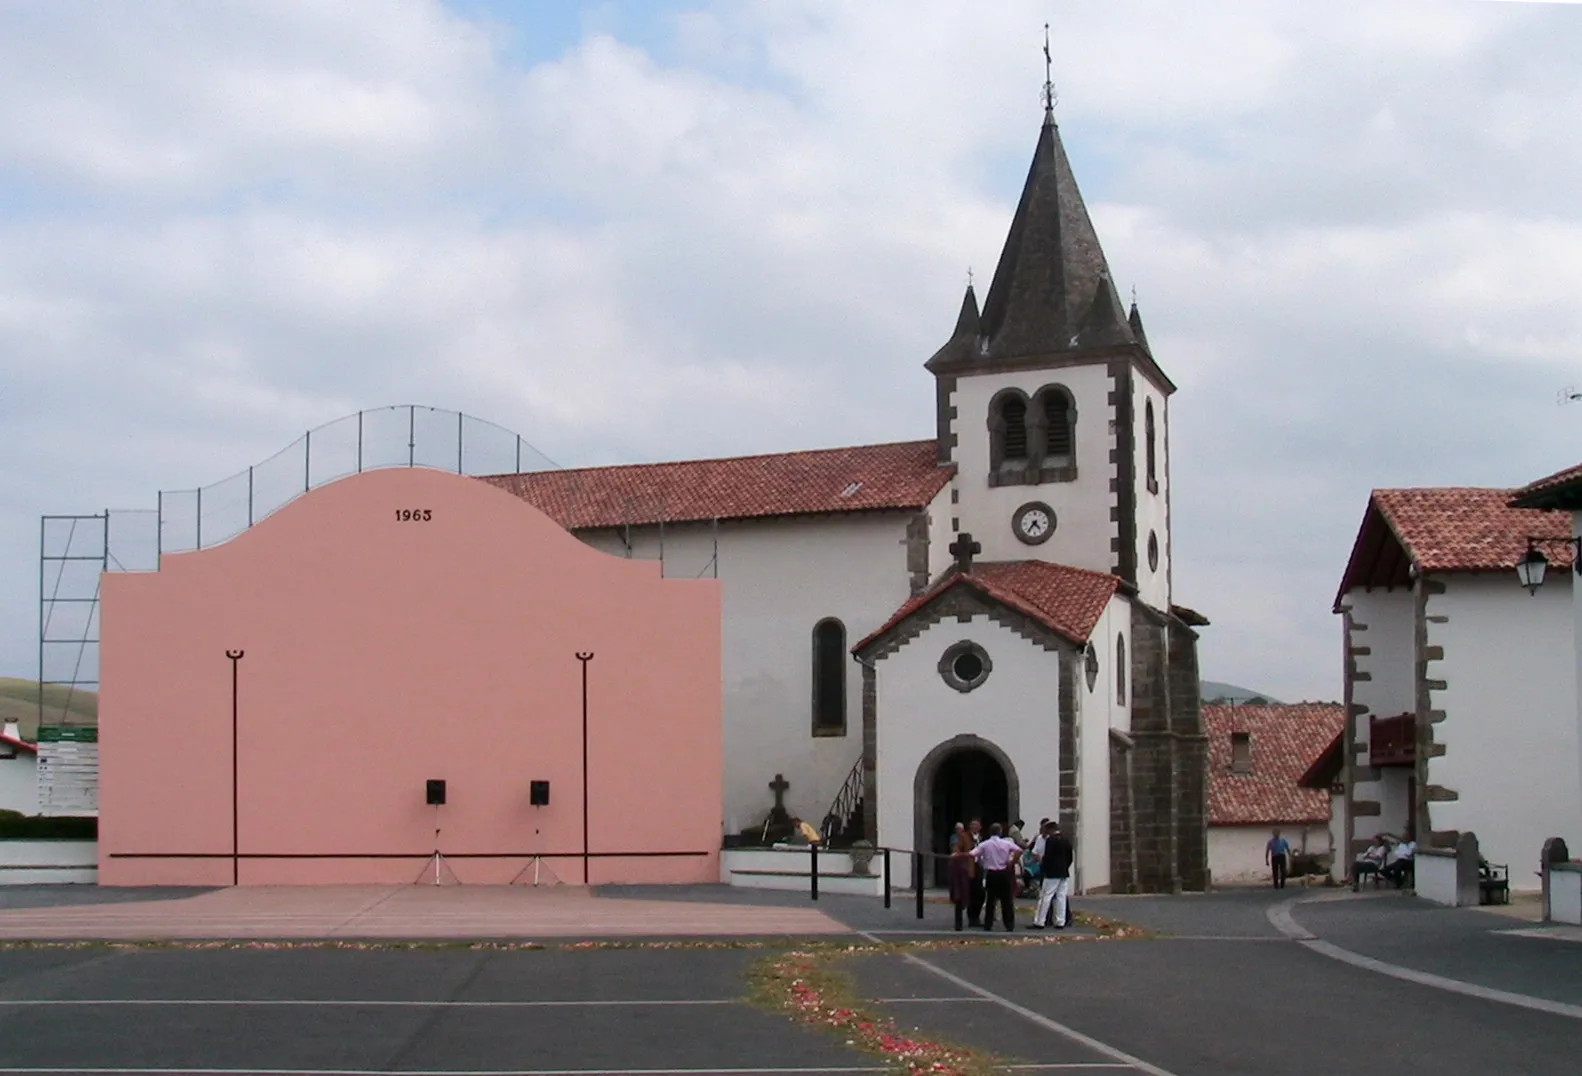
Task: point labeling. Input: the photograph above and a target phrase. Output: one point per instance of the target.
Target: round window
(965, 665)
(1153, 552)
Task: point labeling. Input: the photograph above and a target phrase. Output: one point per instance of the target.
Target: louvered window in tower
(1014, 412)
(1057, 425)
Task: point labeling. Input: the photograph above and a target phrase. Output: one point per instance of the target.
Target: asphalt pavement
(1214, 989)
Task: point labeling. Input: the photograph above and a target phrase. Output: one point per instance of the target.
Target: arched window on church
(1057, 425)
(1120, 670)
(1148, 436)
(829, 678)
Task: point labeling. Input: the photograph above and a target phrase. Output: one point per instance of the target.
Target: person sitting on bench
(1399, 864)
(1369, 862)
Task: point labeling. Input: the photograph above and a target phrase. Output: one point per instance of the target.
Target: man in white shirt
(1400, 860)
(997, 858)
(1056, 888)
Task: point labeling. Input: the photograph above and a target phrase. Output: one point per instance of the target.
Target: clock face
(1034, 522)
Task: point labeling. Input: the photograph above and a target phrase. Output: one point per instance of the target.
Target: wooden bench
(1494, 883)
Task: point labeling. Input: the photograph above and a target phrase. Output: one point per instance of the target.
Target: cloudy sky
(641, 231)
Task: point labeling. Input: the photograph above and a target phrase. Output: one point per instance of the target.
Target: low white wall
(40, 862)
(790, 869)
(1235, 853)
(19, 782)
(1565, 893)
(1435, 878)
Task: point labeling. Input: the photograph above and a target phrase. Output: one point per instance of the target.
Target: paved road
(1458, 943)
(1217, 991)
(361, 1011)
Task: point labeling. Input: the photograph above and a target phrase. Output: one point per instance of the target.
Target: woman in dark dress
(961, 869)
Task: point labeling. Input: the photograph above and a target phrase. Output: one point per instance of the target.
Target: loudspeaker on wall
(435, 791)
(538, 793)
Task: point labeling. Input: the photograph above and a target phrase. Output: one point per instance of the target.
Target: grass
(19, 703)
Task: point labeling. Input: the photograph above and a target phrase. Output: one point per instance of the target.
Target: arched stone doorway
(963, 778)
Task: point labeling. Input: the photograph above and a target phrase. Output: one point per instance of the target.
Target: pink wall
(380, 653)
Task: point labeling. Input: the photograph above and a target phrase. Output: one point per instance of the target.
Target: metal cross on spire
(1049, 78)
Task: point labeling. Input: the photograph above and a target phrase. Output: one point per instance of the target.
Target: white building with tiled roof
(1258, 756)
(1004, 586)
(1461, 686)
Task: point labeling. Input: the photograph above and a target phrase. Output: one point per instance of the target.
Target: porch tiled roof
(866, 478)
(1066, 600)
(1285, 740)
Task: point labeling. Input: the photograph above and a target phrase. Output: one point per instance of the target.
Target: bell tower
(1050, 404)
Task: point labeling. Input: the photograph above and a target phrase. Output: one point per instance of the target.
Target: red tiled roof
(1286, 740)
(1449, 529)
(1067, 601)
(866, 478)
(1458, 529)
(1547, 491)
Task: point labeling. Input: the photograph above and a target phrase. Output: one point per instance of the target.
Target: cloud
(1352, 227)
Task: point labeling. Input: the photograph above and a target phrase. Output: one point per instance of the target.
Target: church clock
(1034, 522)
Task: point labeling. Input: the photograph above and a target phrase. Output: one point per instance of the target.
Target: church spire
(1135, 321)
(967, 320)
(1052, 280)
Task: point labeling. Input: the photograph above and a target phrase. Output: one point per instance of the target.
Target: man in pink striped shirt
(997, 857)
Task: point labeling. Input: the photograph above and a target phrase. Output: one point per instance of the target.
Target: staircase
(843, 822)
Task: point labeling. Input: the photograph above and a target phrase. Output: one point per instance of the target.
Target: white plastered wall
(1153, 585)
(1510, 725)
(779, 578)
(1082, 508)
(1016, 709)
(19, 782)
(1235, 853)
(939, 533)
(1384, 623)
(1098, 711)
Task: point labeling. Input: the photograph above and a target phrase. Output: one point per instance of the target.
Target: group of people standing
(986, 869)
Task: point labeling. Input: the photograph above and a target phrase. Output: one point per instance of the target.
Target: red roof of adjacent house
(1551, 490)
(1067, 601)
(1286, 740)
(1464, 530)
(1449, 529)
(866, 478)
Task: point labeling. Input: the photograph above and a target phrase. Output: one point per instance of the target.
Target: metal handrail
(845, 802)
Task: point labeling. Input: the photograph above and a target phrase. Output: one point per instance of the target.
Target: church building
(979, 624)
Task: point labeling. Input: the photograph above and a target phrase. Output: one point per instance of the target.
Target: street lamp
(1530, 569)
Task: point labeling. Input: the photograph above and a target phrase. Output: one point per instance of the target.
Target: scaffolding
(75, 551)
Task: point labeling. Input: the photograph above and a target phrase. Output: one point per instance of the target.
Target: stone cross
(964, 549)
(779, 786)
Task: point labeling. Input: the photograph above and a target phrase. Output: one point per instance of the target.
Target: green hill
(1215, 691)
(19, 703)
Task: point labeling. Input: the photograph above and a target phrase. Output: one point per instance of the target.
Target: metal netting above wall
(407, 435)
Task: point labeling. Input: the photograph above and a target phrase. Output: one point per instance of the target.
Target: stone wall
(1168, 765)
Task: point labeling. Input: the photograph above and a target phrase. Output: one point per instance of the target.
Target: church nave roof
(866, 478)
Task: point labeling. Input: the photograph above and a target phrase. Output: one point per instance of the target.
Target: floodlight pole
(584, 656)
(236, 869)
